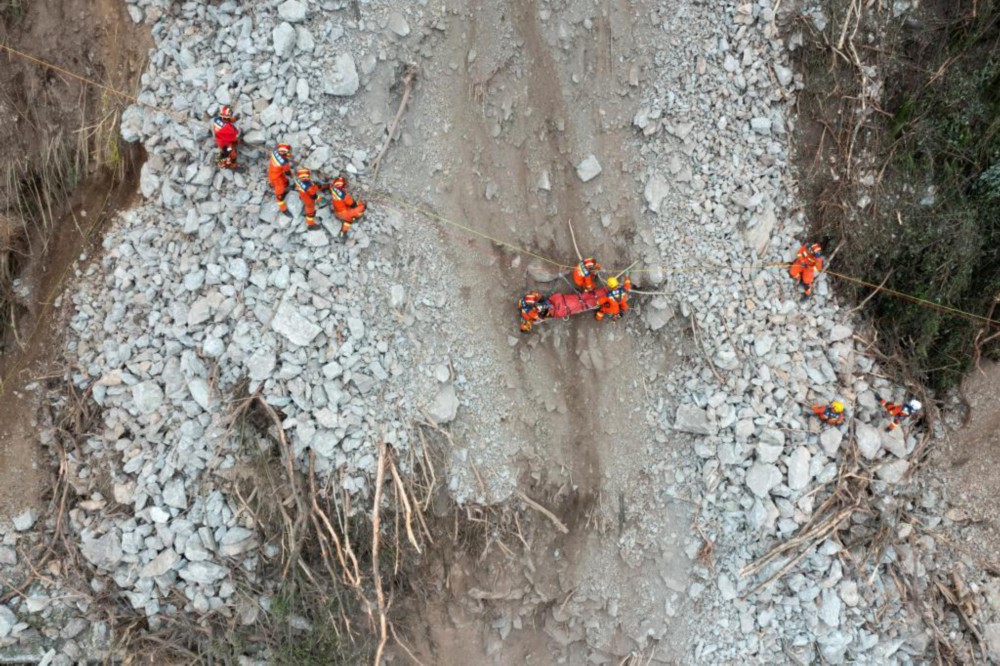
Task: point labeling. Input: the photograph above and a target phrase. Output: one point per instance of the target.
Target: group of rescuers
(804, 269)
(284, 174)
(612, 302)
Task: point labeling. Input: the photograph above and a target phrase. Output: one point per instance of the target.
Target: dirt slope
(47, 111)
(513, 100)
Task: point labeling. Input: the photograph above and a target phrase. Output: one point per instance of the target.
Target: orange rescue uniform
(806, 267)
(309, 192)
(345, 208)
(585, 275)
(615, 304)
(278, 170)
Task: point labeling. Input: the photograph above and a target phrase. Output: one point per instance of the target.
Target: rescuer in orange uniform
(615, 304)
(533, 308)
(278, 170)
(226, 137)
(309, 192)
(899, 411)
(345, 208)
(807, 265)
(585, 274)
(832, 414)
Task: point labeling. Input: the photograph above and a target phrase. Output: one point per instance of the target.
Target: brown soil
(97, 39)
(583, 447)
(968, 463)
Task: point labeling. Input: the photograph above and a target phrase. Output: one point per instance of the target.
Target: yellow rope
(91, 82)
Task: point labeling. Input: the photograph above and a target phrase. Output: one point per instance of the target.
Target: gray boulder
(342, 79)
(694, 420)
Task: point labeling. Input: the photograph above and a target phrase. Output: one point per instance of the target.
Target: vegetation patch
(901, 165)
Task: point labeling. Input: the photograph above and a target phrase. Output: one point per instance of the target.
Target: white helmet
(915, 405)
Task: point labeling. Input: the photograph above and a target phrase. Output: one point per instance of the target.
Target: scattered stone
(292, 11)
(7, 621)
(104, 552)
(868, 439)
(284, 37)
(160, 564)
(762, 478)
(296, 328)
(25, 520)
(894, 471)
(444, 409)
(798, 468)
(203, 573)
(656, 189)
(588, 169)
(342, 78)
(398, 24)
(147, 397)
(830, 440)
(694, 420)
(840, 332)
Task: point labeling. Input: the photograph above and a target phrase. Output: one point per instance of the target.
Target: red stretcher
(567, 305)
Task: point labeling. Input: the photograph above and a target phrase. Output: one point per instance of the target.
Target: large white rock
(830, 441)
(893, 472)
(868, 438)
(657, 187)
(762, 478)
(342, 79)
(445, 406)
(758, 235)
(398, 24)
(798, 468)
(7, 621)
(204, 573)
(694, 420)
(284, 38)
(104, 552)
(292, 11)
(160, 564)
(295, 327)
(147, 396)
(588, 169)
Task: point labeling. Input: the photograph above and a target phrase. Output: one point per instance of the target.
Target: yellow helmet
(613, 282)
(838, 406)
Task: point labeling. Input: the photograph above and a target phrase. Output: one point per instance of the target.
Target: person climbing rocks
(807, 265)
(533, 307)
(832, 414)
(226, 137)
(345, 208)
(615, 303)
(309, 192)
(278, 170)
(585, 274)
(898, 411)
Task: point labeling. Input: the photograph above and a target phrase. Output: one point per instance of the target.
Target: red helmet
(303, 174)
(589, 263)
(284, 149)
(816, 248)
(339, 182)
(226, 113)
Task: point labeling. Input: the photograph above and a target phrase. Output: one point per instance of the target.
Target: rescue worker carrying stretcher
(615, 304)
(807, 265)
(345, 208)
(898, 411)
(533, 308)
(309, 192)
(278, 171)
(226, 137)
(832, 414)
(585, 274)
